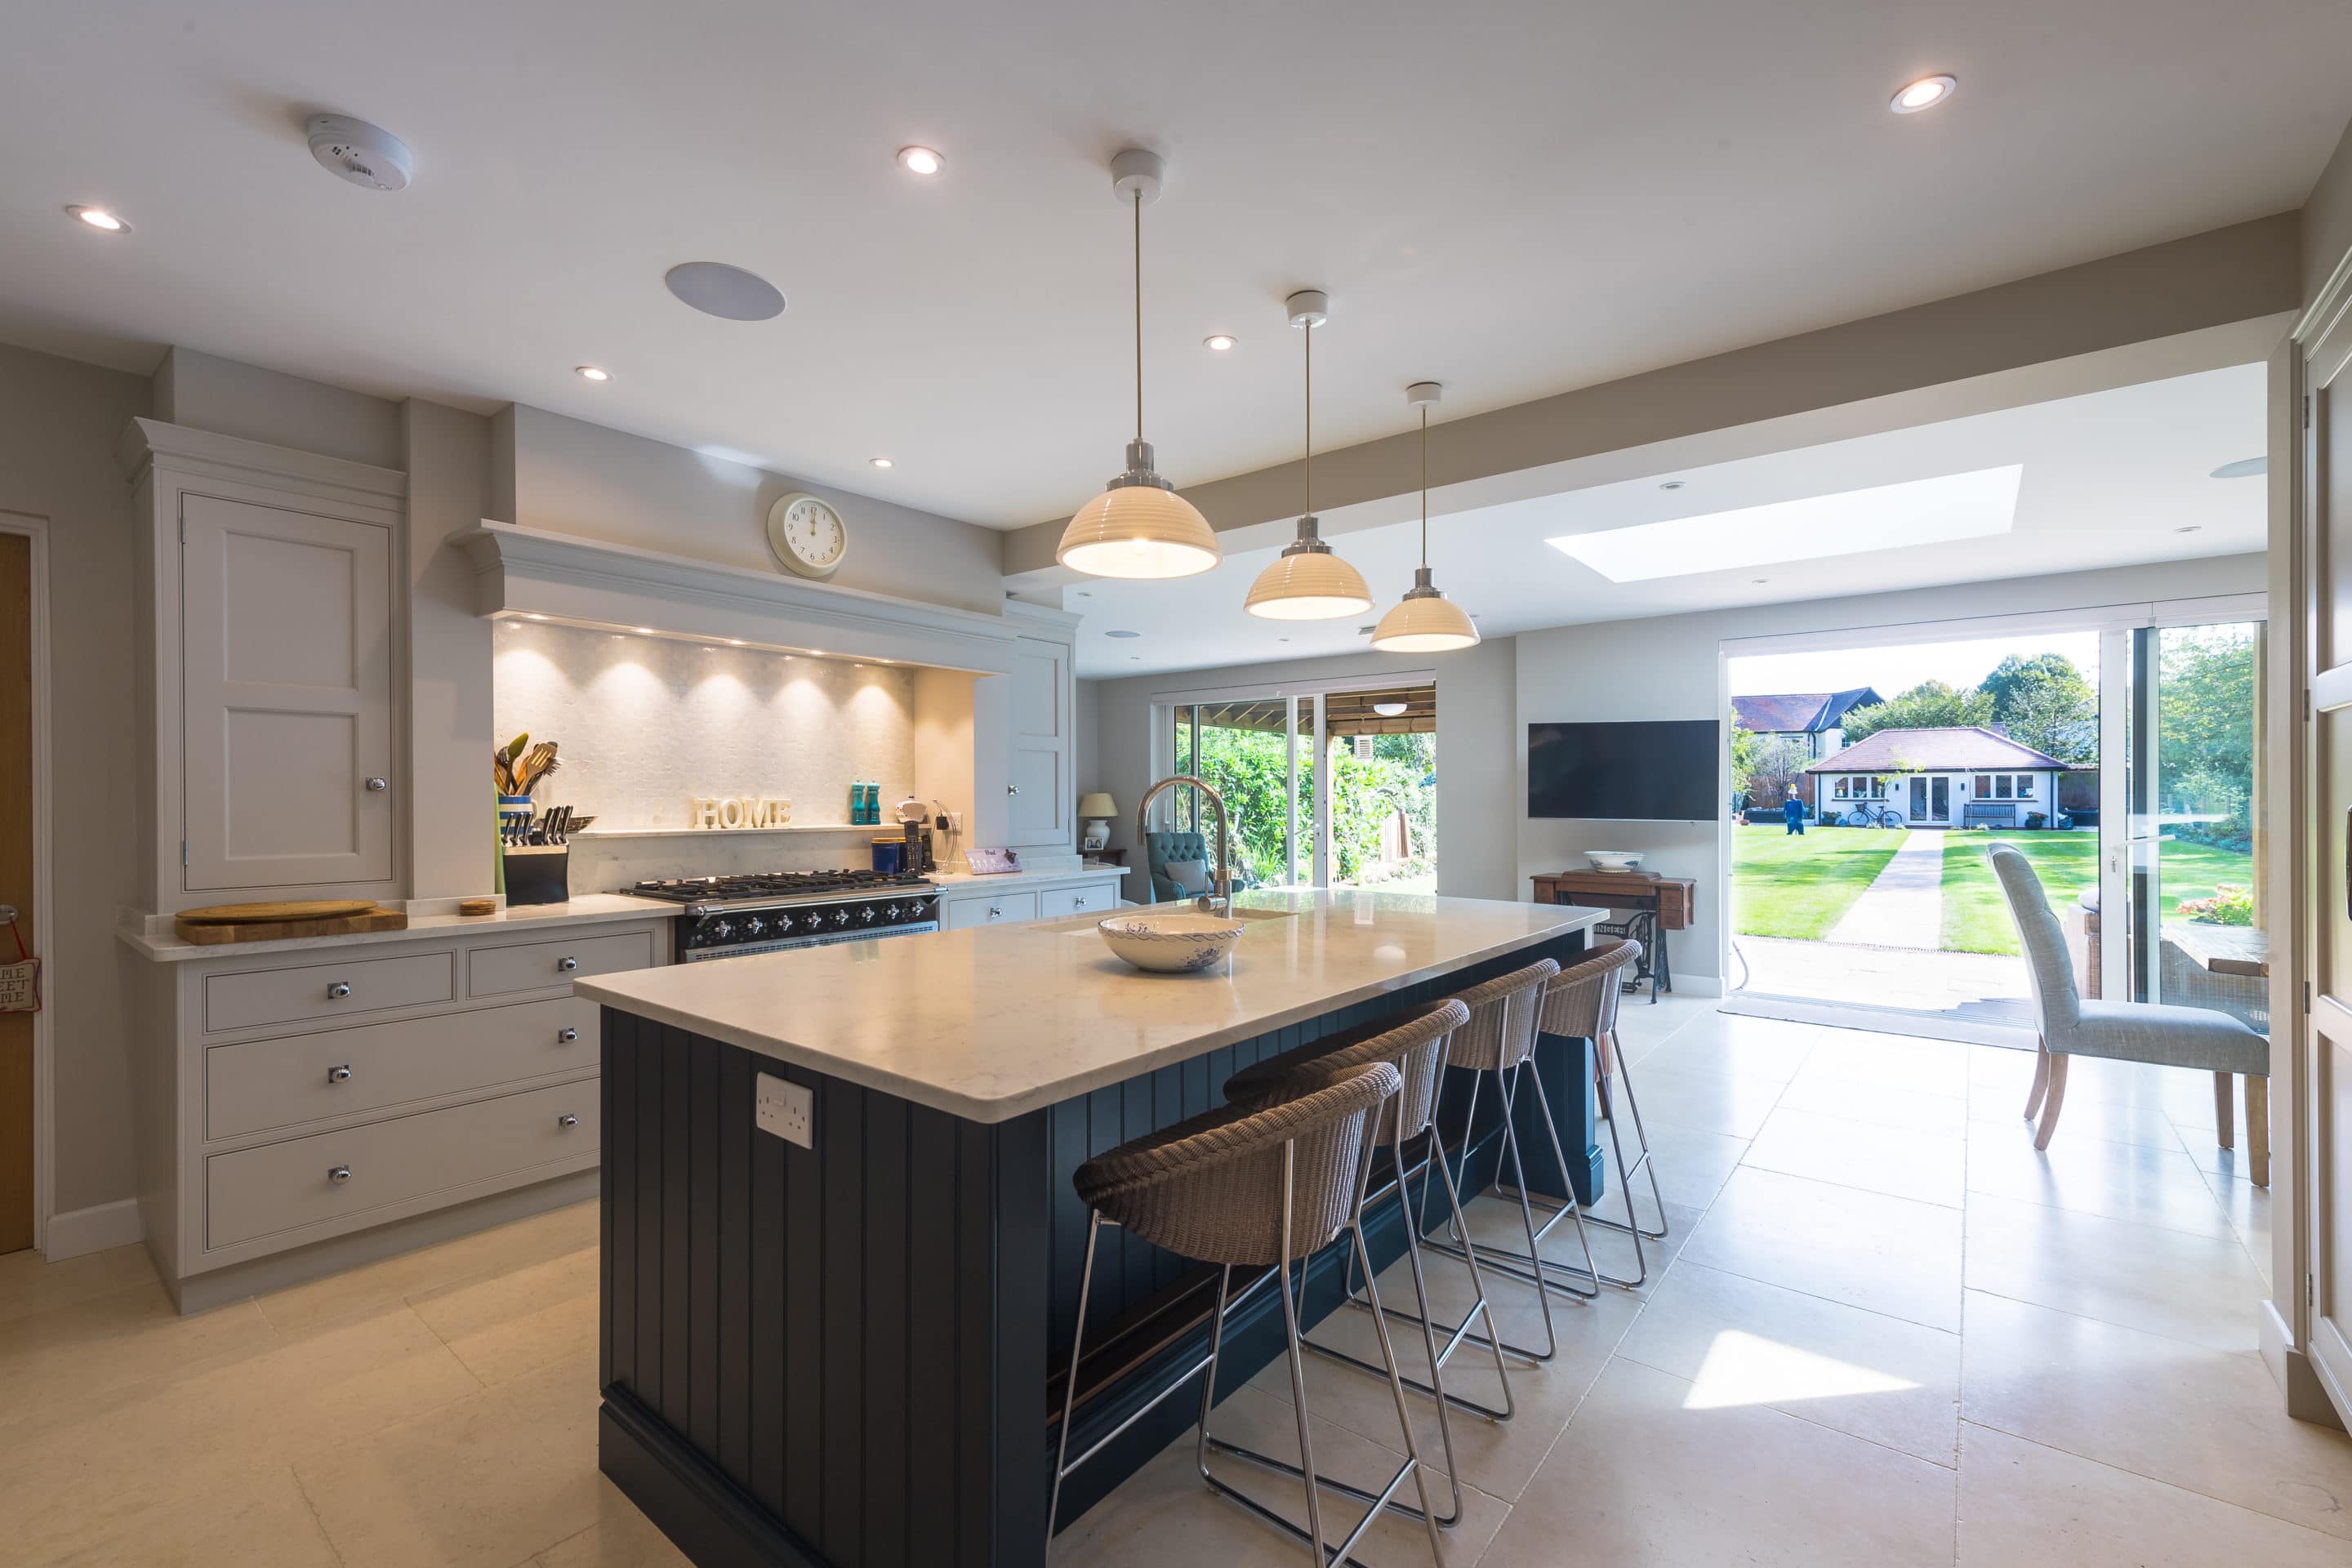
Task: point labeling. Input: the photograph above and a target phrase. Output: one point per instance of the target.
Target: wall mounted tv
(1645, 771)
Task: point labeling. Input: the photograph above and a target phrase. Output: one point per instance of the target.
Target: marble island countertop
(996, 1021)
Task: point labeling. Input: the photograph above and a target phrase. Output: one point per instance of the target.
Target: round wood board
(294, 910)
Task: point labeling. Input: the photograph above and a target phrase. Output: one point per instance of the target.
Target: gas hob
(772, 911)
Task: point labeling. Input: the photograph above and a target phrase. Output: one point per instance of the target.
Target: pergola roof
(1344, 713)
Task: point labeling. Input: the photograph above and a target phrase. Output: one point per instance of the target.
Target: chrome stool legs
(1632, 1225)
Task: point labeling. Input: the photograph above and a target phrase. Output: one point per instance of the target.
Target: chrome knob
(784, 924)
(867, 914)
(566, 1037)
(338, 990)
(377, 786)
(340, 1073)
(891, 914)
(994, 910)
(567, 1121)
(721, 930)
(841, 917)
(339, 1174)
(1077, 903)
(567, 963)
(754, 926)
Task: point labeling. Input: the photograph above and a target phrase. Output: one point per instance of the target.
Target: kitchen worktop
(952, 883)
(994, 1022)
(164, 945)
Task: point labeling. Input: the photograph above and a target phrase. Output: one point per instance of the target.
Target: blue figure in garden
(1793, 810)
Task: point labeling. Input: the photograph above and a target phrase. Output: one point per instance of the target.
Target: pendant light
(1425, 621)
(1306, 582)
(1138, 527)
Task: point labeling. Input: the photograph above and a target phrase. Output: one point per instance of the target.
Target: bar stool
(1500, 1039)
(1248, 1189)
(1415, 1042)
(1582, 1001)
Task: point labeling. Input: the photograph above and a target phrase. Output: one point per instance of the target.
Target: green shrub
(2229, 906)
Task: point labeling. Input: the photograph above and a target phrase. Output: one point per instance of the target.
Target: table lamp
(1096, 810)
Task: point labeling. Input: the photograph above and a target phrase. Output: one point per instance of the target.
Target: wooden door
(1039, 763)
(2327, 1042)
(17, 883)
(287, 639)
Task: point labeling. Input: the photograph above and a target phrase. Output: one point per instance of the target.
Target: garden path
(1904, 905)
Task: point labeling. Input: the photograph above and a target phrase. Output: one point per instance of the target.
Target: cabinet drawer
(284, 1187)
(1060, 903)
(544, 965)
(1003, 910)
(310, 991)
(261, 1084)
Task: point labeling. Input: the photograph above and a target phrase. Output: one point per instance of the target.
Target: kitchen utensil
(1172, 942)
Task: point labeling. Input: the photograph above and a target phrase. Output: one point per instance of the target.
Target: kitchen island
(853, 1352)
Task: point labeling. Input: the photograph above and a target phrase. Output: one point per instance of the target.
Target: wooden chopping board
(218, 924)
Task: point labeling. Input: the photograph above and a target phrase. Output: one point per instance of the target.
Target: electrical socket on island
(786, 1109)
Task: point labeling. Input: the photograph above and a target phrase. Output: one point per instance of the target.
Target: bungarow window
(2025, 786)
(2001, 786)
(1984, 786)
(1841, 784)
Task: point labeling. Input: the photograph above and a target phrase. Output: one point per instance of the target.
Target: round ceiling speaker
(363, 153)
(716, 288)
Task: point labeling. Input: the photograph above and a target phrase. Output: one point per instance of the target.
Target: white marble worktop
(994, 1022)
(956, 884)
(154, 937)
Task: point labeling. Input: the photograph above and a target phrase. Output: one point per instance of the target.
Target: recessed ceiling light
(1672, 484)
(1924, 93)
(99, 218)
(715, 289)
(1134, 658)
(1218, 342)
(920, 160)
(882, 462)
(2189, 529)
(1122, 634)
(592, 372)
(818, 651)
(2244, 468)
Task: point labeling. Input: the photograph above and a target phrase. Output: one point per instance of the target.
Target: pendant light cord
(1139, 315)
(1425, 486)
(1307, 463)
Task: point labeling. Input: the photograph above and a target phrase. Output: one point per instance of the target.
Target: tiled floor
(1883, 1333)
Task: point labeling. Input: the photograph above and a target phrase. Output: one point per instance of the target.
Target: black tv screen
(1645, 771)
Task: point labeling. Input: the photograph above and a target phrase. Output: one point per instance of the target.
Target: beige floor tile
(490, 1480)
(520, 1321)
(2089, 1175)
(1882, 1254)
(1691, 1165)
(620, 1538)
(1741, 1341)
(1166, 1515)
(55, 1361)
(1747, 1047)
(2026, 1506)
(1733, 1105)
(1891, 1061)
(1911, 1109)
(2211, 1421)
(218, 1508)
(1930, 1167)
(1496, 1222)
(1644, 1475)
(1644, 1025)
(376, 1287)
(2209, 1157)
(2199, 1289)
(2141, 1121)
(1497, 1457)
(30, 1283)
(2249, 1208)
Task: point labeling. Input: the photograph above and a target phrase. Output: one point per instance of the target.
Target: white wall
(1668, 667)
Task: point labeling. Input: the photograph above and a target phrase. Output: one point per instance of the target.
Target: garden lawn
(1785, 886)
(1977, 920)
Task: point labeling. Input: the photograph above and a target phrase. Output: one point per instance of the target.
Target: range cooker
(772, 912)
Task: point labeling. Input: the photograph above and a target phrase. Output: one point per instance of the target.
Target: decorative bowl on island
(1613, 859)
(1171, 941)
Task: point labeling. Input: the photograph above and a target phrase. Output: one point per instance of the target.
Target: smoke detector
(365, 154)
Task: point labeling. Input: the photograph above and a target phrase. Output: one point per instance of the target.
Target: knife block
(537, 874)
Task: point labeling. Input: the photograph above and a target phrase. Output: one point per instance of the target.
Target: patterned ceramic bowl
(1613, 859)
(1172, 942)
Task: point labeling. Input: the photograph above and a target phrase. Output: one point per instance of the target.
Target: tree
(1930, 705)
(1745, 744)
(2046, 704)
(1776, 763)
(2205, 741)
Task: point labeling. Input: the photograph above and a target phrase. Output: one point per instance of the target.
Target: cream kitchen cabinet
(1042, 746)
(967, 901)
(269, 644)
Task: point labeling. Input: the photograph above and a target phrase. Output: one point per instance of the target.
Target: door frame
(36, 529)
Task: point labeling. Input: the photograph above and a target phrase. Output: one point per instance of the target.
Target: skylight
(1976, 505)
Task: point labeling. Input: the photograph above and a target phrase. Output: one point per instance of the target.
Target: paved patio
(1970, 987)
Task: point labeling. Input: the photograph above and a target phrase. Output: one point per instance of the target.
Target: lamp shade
(1138, 527)
(1425, 621)
(1307, 583)
(1097, 804)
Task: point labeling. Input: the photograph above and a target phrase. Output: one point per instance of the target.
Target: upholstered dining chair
(2153, 1031)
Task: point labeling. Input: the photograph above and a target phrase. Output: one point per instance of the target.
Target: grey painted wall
(2327, 220)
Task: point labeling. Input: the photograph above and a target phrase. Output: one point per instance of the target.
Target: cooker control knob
(754, 926)
(891, 914)
(866, 912)
(784, 924)
(841, 917)
(721, 930)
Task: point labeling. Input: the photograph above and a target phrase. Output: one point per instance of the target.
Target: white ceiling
(2109, 477)
(1515, 197)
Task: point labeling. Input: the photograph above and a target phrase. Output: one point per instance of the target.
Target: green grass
(1790, 886)
(1977, 920)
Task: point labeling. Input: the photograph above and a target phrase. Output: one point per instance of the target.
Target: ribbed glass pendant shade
(1138, 527)
(1307, 583)
(1425, 621)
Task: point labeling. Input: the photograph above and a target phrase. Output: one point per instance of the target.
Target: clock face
(807, 535)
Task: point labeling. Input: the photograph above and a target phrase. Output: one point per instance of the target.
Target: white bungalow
(1942, 778)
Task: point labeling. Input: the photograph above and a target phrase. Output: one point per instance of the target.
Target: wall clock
(807, 535)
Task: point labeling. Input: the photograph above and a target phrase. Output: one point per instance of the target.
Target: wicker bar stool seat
(1582, 1001)
(1415, 1042)
(1258, 1187)
(1499, 1041)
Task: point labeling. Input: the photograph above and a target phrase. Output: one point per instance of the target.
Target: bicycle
(1876, 814)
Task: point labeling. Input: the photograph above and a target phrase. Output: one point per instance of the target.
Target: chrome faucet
(1220, 894)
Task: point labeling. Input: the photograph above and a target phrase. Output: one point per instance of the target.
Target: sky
(1898, 668)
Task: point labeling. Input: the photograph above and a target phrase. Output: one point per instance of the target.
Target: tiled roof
(1799, 712)
(1964, 750)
